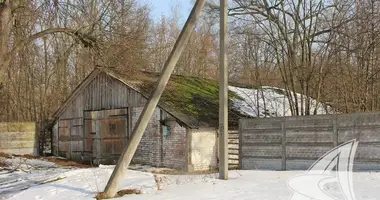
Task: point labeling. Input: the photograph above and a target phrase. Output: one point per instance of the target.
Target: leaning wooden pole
(223, 92)
(120, 170)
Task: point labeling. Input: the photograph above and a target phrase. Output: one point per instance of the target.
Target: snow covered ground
(21, 173)
(261, 185)
(85, 184)
(270, 102)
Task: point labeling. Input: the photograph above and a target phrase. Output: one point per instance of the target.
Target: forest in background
(328, 50)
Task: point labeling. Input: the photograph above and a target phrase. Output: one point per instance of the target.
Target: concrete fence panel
(18, 138)
(294, 143)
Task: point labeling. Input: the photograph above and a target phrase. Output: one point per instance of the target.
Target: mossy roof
(191, 100)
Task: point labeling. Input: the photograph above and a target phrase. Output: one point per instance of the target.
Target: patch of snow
(270, 102)
(247, 184)
(22, 173)
(266, 185)
(85, 184)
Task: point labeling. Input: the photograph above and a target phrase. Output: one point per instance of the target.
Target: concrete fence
(295, 143)
(18, 138)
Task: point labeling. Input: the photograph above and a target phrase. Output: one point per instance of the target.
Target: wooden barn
(95, 122)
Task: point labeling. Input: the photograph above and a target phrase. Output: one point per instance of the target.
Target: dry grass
(67, 163)
(121, 193)
(28, 156)
(54, 180)
(176, 172)
(166, 171)
(5, 155)
(3, 164)
(58, 161)
(128, 191)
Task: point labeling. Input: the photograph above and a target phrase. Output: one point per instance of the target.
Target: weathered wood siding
(96, 126)
(102, 93)
(106, 134)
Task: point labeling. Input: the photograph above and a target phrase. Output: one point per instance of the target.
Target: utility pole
(223, 92)
(120, 170)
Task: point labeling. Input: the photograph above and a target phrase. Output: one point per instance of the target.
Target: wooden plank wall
(111, 130)
(102, 93)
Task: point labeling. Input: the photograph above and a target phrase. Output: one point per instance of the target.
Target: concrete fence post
(240, 133)
(283, 160)
(335, 130)
(70, 139)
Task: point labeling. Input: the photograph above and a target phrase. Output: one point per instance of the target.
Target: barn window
(165, 131)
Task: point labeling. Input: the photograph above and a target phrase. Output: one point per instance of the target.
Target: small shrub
(158, 182)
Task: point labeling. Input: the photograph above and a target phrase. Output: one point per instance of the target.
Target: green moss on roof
(192, 97)
(196, 97)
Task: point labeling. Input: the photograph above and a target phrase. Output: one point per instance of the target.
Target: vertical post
(283, 160)
(223, 92)
(138, 131)
(240, 144)
(335, 130)
(70, 139)
(58, 137)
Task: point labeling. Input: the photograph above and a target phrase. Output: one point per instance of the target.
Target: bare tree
(51, 46)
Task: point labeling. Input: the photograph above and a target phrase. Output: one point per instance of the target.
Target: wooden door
(64, 138)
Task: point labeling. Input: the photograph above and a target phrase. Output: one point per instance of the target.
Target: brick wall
(204, 149)
(147, 145)
(294, 143)
(157, 150)
(174, 149)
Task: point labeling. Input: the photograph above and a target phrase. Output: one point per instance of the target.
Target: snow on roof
(270, 102)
